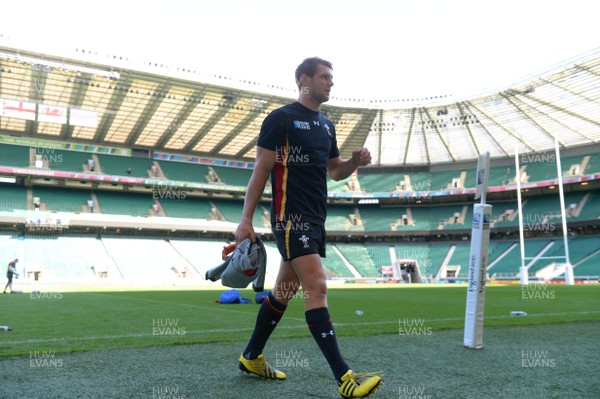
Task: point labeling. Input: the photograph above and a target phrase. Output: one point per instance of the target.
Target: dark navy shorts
(299, 239)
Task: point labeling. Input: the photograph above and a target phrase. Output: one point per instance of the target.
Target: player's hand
(361, 156)
(243, 231)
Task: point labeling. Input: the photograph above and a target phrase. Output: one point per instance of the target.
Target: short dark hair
(309, 66)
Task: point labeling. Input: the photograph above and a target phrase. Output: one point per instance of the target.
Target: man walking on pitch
(297, 146)
(10, 272)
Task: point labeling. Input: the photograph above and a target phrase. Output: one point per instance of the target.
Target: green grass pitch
(180, 344)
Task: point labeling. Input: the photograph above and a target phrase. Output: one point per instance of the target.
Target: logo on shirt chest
(302, 125)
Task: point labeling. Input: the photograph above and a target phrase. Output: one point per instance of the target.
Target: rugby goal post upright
(565, 267)
(480, 239)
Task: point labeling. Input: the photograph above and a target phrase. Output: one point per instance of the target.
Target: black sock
(268, 316)
(321, 328)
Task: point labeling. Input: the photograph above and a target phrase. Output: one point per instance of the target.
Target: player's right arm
(265, 160)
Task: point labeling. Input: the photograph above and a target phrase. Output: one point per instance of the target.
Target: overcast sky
(379, 49)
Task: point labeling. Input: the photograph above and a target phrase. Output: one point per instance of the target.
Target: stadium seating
(358, 256)
(13, 197)
(121, 203)
(184, 171)
(199, 255)
(380, 254)
(501, 175)
(509, 265)
(342, 218)
(334, 263)
(584, 253)
(337, 186)
(593, 165)
(64, 160)
(380, 183)
(420, 181)
(137, 264)
(63, 200)
(497, 248)
(119, 165)
(442, 181)
(8, 249)
(460, 257)
(14, 155)
(64, 258)
(189, 207)
(376, 218)
(233, 176)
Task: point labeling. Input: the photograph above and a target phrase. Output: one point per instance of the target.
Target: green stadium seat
(121, 203)
(13, 197)
(233, 176)
(62, 199)
(119, 165)
(184, 171)
(334, 263)
(14, 155)
(358, 256)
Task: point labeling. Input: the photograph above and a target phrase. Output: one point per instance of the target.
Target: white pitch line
(220, 309)
(303, 326)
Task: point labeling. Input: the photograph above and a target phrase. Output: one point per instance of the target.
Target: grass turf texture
(414, 335)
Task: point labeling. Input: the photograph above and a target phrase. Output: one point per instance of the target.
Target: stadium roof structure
(142, 110)
(139, 109)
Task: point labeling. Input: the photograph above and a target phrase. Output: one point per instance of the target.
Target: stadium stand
(13, 197)
(199, 255)
(189, 207)
(121, 203)
(64, 160)
(377, 218)
(437, 254)
(184, 171)
(419, 181)
(14, 155)
(63, 258)
(381, 182)
(340, 186)
(380, 254)
(8, 248)
(342, 218)
(451, 179)
(460, 258)
(136, 263)
(233, 176)
(60, 199)
(358, 256)
(334, 263)
(510, 263)
(119, 165)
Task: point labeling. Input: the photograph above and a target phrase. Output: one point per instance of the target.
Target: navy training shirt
(304, 142)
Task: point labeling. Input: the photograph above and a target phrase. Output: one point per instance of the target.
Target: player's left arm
(339, 169)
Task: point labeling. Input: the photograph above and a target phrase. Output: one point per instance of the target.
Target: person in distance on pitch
(10, 272)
